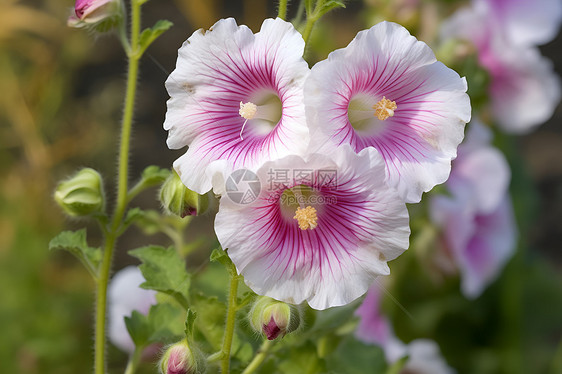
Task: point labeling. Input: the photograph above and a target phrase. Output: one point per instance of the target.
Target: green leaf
(303, 359)
(161, 325)
(219, 255)
(148, 220)
(149, 35)
(132, 215)
(329, 5)
(355, 357)
(75, 242)
(164, 271)
(333, 318)
(210, 323)
(211, 316)
(189, 323)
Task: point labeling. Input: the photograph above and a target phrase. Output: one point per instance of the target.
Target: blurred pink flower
(89, 12)
(125, 295)
(320, 230)
(236, 97)
(374, 328)
(477, 219)
(386, 90)
(524, 89)
(525, 22)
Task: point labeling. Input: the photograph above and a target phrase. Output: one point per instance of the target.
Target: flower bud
(179, 200)
(82, 194)
(180, 359)
(100, 15)
(274, 318)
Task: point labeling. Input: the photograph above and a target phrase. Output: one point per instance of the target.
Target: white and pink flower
(524, 90)
(125, 296)
(525, 22)
(236, 97)
(321, 229)
(477, 219)
(386, 90)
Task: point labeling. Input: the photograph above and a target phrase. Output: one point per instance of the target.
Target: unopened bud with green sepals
(181, 201)
(180, 358)
(274, 318)
(82, 194)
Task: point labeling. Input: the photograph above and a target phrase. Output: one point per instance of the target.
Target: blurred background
(60, 107)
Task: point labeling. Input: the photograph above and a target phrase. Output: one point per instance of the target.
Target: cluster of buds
(181, 201)
(274, 318)
(98, 15)
(82, 194)
(180, 358)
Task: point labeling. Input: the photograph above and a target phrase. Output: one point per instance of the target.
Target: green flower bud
(181, 359)
(82, 194)
(181, 201)
(274, 318)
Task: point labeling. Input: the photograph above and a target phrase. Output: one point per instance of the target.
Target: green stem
(310, 21)
(134, 361)
(259, 358)
(282, 9)
(113, 232)
(230, 322)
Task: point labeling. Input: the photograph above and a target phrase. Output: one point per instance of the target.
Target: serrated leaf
(164, 271)
(161, 325)
(149, 35)
(154, 175)
(75, 242)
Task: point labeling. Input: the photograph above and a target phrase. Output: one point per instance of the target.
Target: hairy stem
(113, 232)
(282, 9)
(259, 357)
(230, 322)
(134, 361)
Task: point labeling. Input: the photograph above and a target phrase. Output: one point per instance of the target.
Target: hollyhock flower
(320, 229)
(125, 295)
(375, 328)
(524, 90)
(96, 12)
(236, 97)
(386, 90)
(477, 219)
(525, 22)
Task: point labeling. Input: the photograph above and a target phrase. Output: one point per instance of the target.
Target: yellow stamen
(248, 110)
(384, 108)
(306, 217)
